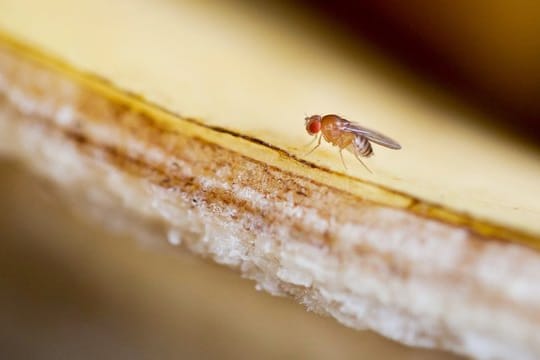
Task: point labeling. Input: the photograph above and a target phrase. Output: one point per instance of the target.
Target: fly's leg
(312, 140)
(316, 146)
(342, 159)
(359, 159)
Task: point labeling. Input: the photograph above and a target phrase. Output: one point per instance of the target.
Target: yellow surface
(256, 73)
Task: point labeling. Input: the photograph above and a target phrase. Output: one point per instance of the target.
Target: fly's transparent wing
(371, 135)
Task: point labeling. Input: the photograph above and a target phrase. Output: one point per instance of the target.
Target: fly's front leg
(312, 140)
(316, 146)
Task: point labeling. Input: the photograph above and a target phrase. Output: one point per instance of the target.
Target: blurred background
(71, 289)
(486, 52)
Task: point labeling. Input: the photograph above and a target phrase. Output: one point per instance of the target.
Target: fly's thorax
(332, 130)
(331, 122)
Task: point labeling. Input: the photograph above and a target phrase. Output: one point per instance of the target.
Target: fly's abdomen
(362, 146)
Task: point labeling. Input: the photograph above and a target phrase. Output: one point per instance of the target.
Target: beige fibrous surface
(201, 130)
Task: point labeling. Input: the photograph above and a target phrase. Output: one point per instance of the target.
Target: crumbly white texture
(421, 282)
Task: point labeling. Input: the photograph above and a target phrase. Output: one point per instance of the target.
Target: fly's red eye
(314, 127)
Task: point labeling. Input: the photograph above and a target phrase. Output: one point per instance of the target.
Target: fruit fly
(346, 134)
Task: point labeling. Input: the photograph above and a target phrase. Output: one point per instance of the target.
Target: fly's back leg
(357, 156)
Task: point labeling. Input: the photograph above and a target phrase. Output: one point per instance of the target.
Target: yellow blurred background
(485, 51)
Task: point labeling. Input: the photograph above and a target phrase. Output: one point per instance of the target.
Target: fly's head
(313, 124)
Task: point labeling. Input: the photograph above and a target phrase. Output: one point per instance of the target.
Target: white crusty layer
(409, 278)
